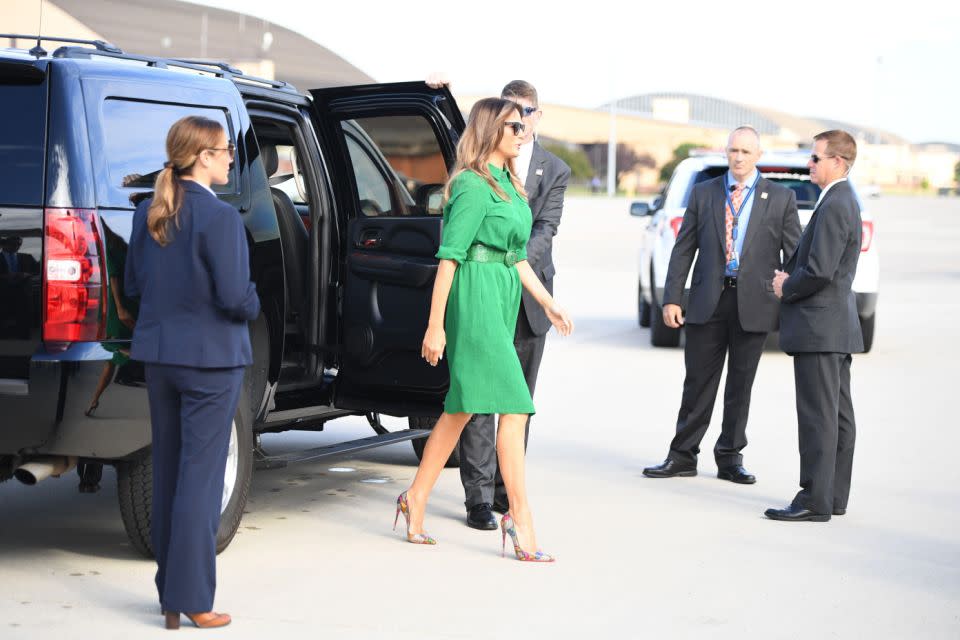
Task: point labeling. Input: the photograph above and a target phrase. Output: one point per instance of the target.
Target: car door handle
(370, 240)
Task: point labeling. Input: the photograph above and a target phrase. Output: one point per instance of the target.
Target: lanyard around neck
(746, 195)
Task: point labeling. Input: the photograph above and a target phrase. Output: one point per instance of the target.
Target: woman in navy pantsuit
(188, 263)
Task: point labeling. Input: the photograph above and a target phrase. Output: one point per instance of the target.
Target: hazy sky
(893, 66)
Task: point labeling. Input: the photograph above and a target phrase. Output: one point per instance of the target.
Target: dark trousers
(827, 429)
(706, 349)
(479, 472)
(191, 413)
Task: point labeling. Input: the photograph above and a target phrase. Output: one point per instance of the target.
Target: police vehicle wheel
(420, 422)
(660, 334)
(643, 308)
(135, 486)
(867, 324)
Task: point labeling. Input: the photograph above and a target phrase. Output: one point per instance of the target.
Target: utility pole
(612, 150)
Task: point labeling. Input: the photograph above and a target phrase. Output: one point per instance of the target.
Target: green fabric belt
(483, 253)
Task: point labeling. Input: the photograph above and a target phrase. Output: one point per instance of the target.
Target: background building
(648, 128)
(179, 29)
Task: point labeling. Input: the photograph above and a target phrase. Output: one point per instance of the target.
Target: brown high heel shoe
(208, 620)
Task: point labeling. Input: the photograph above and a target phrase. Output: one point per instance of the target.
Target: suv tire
(135, 486)
(643, 307)
(660, 334)
(420, 422)
(867, 325)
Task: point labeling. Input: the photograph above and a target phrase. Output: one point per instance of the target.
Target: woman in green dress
(473, 314)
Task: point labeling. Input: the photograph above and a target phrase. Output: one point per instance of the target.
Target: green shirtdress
(481, 318)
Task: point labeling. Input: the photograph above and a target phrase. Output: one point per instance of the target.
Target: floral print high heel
(508, 526)
(404, 508)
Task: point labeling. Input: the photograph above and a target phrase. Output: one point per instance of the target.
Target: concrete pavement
(686, 557)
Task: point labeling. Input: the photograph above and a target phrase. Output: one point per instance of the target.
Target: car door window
(373, 188)
(398, 165)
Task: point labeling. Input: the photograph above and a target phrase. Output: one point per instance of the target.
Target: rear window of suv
(23, 117)
(795, 178)
(136, 136)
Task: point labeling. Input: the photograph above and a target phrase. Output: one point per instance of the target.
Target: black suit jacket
(819, 310)
(774, 227)
(545, 186)
(195, 293)
(27, 264)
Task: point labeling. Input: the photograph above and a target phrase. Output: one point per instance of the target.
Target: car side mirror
(640, 209)
(429, 198)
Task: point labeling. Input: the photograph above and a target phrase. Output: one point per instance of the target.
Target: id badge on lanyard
(734, 263)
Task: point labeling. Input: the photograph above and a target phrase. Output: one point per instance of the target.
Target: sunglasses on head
(816, 159)
(529, 111)
(518, 127)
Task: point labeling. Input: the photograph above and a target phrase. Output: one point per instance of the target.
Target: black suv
(340, 191)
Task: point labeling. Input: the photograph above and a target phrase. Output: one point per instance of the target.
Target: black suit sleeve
(224, 250)
(545, 225)
(683, 252)
(830, 235)
(791, 228)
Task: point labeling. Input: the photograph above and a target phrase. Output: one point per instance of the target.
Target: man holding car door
(744, 228)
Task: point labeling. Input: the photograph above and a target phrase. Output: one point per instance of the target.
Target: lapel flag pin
(539, 172)
(763, 196)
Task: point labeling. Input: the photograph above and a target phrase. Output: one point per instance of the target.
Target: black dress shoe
(669, 469)
(736, 473)
(837, 511)
(500, 507)
(480, 517)
(796, 513)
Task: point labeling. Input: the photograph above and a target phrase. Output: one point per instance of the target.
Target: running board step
(264, 461)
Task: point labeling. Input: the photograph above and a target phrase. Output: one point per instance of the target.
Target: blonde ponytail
(187, 138)
(167, 199)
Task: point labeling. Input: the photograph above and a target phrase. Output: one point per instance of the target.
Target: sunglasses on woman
(518, 127)
(231, 149)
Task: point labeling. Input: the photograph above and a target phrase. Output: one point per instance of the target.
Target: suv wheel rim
(230, 473)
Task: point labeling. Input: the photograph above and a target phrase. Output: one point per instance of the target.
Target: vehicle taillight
(866, 238)
(73, 309)
(675, 225)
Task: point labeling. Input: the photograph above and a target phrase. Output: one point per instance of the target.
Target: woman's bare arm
(436, 338)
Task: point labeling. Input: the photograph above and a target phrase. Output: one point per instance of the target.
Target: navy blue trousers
(191, 414)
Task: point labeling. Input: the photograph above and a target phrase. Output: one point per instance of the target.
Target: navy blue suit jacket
(195, 293)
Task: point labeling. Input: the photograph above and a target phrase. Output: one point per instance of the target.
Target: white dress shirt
(522, 161)
(825, 189)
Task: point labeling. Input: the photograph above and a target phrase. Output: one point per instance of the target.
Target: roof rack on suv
(101, 49)
(38, 50)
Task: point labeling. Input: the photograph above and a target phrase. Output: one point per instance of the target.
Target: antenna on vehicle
(39, 51)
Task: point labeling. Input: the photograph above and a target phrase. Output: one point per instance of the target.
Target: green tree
(682, 152)
(956, 173)
(575, 158)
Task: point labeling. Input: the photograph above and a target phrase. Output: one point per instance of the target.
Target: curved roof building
(706, 111)
(169, 28)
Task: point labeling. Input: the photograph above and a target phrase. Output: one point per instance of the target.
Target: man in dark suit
(544, 176)
(820, 329)
(741, 224)
(17, 270)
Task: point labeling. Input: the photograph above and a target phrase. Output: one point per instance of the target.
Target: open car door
(391, 147)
